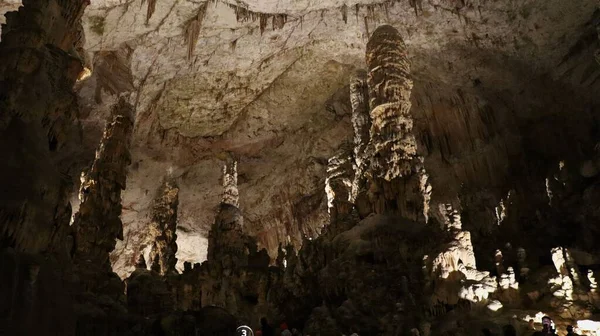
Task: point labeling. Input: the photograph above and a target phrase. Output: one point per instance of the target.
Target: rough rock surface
(162, 229)
(504, 117)
(97, 224)
(234, 94)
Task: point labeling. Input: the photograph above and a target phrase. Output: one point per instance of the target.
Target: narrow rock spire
(361, 123)
(97, 225)
(230, 189)
(163, 228)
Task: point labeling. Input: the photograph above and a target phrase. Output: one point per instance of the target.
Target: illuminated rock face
(395, 166)
(231, 194)
(97, 225)
(361, 124)
(338, 184)
(390, 86)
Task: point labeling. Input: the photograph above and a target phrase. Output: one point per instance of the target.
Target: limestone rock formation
(395, 161)
(97, 225)
(163, 226)
(338, 183)
(39, 110)
(235, 276)
(462, 182)
(361, 124)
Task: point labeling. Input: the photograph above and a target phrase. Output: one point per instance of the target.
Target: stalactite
(192, 30)
(345, 13)
(98, 224)
(278, 21)
(243, 14)
(151, 9)
(163, 227)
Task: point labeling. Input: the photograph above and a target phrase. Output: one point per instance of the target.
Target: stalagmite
(389, 99)
(395, 167)
(592, 280)
(192, 30)
(460, 257)
(230, 190)
(338, 183)
(97, 225)
(226, 232)
(568, 276)
(361, 123)
(163, 226)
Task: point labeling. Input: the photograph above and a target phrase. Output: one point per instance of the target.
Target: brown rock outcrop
(38, 110)
(97, 225)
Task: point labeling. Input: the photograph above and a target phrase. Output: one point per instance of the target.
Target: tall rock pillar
(97, 225)
(163, 226)
(397, 179)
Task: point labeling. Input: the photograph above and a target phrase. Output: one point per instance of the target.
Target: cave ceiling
(265, 82)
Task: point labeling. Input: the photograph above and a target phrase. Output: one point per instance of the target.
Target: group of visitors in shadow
(508, 330)
(547, 329)
(267, 330)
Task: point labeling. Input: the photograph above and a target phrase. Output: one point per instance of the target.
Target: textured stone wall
(37, 121)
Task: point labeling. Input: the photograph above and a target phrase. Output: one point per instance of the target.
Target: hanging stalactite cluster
(192, 30)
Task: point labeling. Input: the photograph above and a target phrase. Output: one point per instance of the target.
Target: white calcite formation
(460, 257)
(508, 279)
(390, 87)
(231, 194)
(567, 278)
(494, 305)
(340, 175)
(395, 165)
(592, 280)
(588, 327)
(361, 124)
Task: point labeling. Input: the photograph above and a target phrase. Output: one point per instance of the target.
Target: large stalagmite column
(163, 227)
(398, 180)
(97, 224)
(226, 239)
